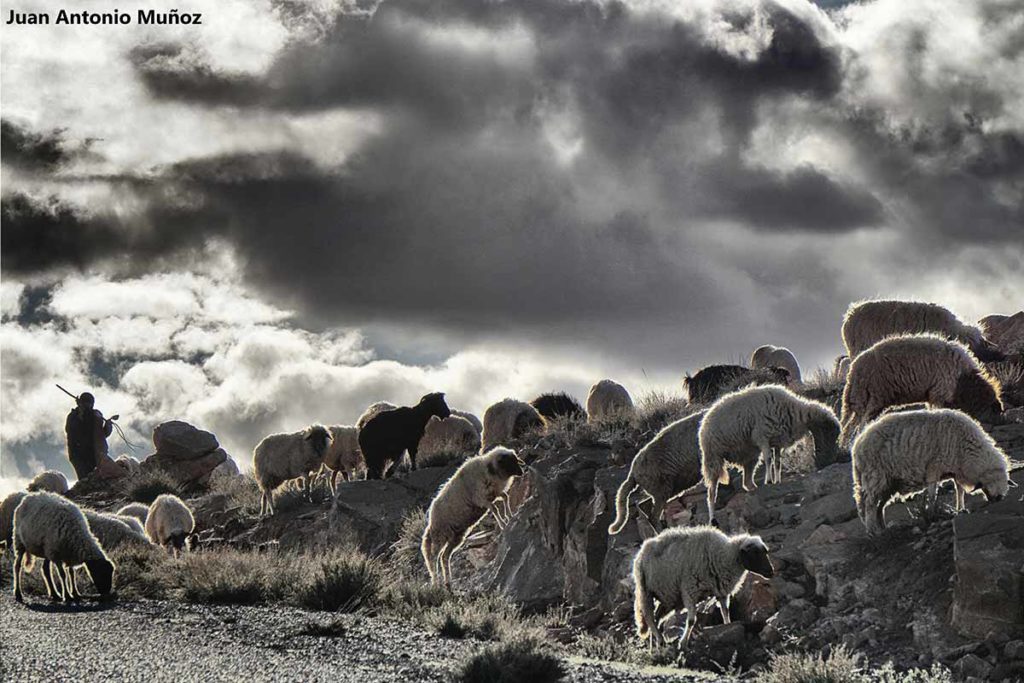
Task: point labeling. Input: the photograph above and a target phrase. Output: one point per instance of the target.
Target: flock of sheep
(900, 353)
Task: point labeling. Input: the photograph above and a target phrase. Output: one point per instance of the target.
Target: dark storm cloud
(34, 151)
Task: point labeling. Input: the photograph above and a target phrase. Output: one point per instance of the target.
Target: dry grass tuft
(522, 659)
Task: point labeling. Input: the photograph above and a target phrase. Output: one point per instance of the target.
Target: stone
(989, 559)
(179, 440)
(724, 635)
(187, 472)
(1014, 649)
(227, 469)
(972, 665)
(770, 635)
(757, 600)
(834, 508)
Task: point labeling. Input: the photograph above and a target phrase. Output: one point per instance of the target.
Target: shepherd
(87, 433)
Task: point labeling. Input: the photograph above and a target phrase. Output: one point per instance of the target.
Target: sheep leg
(71, 584)
(748, 477)
(309, 487)
(507, 508)
(649, 616)
(723, 607)
(445, 558)
(51, 587)
(712, 498)
(333, 483)
(499, 511)
(19, 562)
(493, 509)
(960, 493)
(657, 510)
(767, 454)
(691, 620)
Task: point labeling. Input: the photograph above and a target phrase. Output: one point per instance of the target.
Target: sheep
(7, 508)
(473, 420)
(282, 457)
(128, 463)
(53, 528)
(714, 381)
(608, 400)
(452, 435)
(137, 510)
(114, 531)
(769, 356)
(841, 367)
(760, 422)
(50, 480)
(905, 452)
(343, 455)
(476, 488)
(869, 322)
(681, 567)
(917, 368)
(169, 522)
(387, 435)
(508, 420)
(373, 411)
(552, 406)
(668, 465)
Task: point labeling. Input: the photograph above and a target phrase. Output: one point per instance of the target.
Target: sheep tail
(715, 471)
(622, 504)
(426, 548)
(640, 600)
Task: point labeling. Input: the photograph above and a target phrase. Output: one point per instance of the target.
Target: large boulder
(187, 453)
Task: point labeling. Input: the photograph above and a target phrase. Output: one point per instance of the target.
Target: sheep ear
(434, 418)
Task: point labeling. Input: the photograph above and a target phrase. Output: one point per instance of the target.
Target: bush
(523, 659)
(838, 667)
(229, 577)
(241, 491)
(345, 581)
(406, 557)
(145, 486)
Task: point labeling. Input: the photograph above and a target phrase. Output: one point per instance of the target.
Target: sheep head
(434, 404)
(319, 439)
(101, 571)
(506, 462)
(754, 557)
(825, 431)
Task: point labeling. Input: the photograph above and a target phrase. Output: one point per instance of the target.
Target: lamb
(114, 531)
(50, 480)
(905, 452)
(373, 411)
(869, 322)
(761, 421)
(473, 420)
(7, 508)
(476, 488)
(387, 435)
(169, 522)
(53, 528)
(668, 465)
(283, 457)
(917, 368)
(343, 455)
(136, 510)
(769, 356)
(681, 567)
(508, 420)
(714, 381)
(452, 435)
(552, 406)
(608, 400)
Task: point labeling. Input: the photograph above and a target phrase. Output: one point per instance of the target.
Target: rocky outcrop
(187, 453)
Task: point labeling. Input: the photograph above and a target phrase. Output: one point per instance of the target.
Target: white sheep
(53, 528)
(508, 420)
(373, 411)
(681, 567)
(608, 400)
(50, 480)
(912, 369)
(129, 464)
(283, 457)
(137, 510)
(758, 423)
(868, 322)
(450, 435)
(169, 522)
(668, 465)
(479, 486)
(473, 420)
(769, 356)
(343, 455)
(7, 507)
(114, 531)
(903, 453)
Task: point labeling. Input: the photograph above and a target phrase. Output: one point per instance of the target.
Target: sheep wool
(373, 411)
(758, 423)
(553, 406)
(450, 435)
(902, 453)
(50, 480)
(113, 531)
(169, 522)
(681, 567)
(130, 464)
(769, 356)
(7, 507)
(479, 486)
(282, 457)
(664, 468)
(868, 322)
(343, 455)
(53, 528)
(473, 420)
(912, 369)
(137, 510)
(608, 400)
(508, 420)
(388, 435)
(714, 381)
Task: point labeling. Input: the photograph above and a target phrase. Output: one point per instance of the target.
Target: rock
(972, 666)
(228, 469)
(770, 635)
(179, 440)
(795, 615)
(834, 508)
(188, 472)
(724, 635)
(757, 600)
(1014, 649)
(108, 470)
(989, 557)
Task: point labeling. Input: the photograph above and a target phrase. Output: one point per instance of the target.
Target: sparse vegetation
(331, 629)
(241, 491)
(522, 659)
(442, 459)
(145, 486)
(839, 666)
(406, 558)
(344, 582)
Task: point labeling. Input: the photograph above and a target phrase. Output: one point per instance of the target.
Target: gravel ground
(156, 641)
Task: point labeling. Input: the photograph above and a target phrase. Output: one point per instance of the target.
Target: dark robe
(87, 440)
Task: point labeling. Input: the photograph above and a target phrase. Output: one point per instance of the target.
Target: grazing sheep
(869, 322)
(668, 465)
(917, 368)
(769, 356)
(681, 567)
(169, 522)
(130, 464)
(114, 531)
(387, 435)
(508, 420)
(452, 435)
(905, 452)
(758, 422)
(7, 507)
(373, 411)
(283, 457)
(473, 419)
(137, 510)
(841, 367)
(343, 455)
(553, 406)
(51, 527)
(608, 400)
(476, 488)
(50, 480)
(715, 381)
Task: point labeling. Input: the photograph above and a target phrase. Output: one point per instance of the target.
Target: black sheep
(714, 381)
(385, 437)
(552, 406)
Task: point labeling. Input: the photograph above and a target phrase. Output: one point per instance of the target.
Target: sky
(301, 207)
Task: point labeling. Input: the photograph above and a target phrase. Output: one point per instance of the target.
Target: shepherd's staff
(120, 432)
